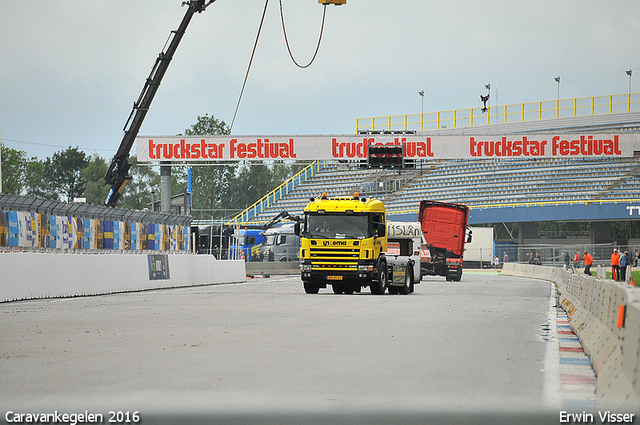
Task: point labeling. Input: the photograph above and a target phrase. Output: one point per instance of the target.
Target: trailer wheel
(311, 288)
(378, 288)
(458, 275)
(408, 282)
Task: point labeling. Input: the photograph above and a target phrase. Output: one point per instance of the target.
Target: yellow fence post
(611, 104)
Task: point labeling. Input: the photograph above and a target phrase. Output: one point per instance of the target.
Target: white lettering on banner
(631, 208)
(354, 147)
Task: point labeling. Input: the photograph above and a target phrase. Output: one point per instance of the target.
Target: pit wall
(605, 315)
(29, 275)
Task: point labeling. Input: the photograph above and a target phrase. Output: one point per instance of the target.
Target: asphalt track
(263, 351)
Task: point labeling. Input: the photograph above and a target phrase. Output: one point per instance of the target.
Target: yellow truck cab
(344, 244)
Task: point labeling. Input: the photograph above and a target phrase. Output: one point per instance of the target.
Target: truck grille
(335, 258)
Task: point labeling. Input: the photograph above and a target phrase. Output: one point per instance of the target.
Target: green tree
(210, 183)
(65, 171)
(14, 164)
(137, 193)
(95, 190)
(208, 125)
(37, 181)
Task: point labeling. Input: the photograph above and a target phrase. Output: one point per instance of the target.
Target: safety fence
(605, 315)
(502, 114)
(33, 224)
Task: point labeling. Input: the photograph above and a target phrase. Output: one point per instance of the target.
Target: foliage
(137, 193)
(208, 125)
(13, 168)
(65, 171)
(219, 188)
(95, 190)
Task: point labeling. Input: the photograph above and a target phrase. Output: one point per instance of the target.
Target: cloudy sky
(70, 70)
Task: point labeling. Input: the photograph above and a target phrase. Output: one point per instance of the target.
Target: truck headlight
(365, 268)
(306, 267)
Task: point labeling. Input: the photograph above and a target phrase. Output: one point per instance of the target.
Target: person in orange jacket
(588, 261)
(615, 265)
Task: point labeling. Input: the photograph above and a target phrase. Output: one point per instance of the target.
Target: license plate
(334, 277)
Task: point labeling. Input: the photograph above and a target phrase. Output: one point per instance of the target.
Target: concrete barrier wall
(28, 275)
(605, 315)
(273, 267)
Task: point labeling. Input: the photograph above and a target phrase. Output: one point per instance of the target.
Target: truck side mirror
(469, 236)
(296, 229)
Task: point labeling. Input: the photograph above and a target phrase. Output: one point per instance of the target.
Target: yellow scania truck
(344, 243)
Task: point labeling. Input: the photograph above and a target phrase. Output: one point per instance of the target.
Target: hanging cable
(284, 30)
(249, 67)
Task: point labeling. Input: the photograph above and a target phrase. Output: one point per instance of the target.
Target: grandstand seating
(488, 181)
(474, 183)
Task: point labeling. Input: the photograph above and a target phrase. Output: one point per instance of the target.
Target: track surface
(461, 347)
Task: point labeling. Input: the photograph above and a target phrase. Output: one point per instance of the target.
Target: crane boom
(118, 172)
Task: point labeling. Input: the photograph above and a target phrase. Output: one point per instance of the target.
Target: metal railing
(518, 112)
(277, 193)
(530, 204)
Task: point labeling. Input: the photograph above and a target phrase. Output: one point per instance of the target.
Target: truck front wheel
(311, 288)
(378, 288)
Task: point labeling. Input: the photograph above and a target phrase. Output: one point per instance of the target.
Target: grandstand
(484, 182)
(473, 183)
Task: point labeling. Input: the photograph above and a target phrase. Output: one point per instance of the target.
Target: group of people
(577, 258)
(619, 263)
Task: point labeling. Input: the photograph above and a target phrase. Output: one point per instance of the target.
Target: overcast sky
(71, 69)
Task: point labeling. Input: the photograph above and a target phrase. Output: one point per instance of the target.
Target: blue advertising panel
(13, 228)
(87, 234)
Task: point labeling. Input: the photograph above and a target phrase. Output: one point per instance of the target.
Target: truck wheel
(311, 288)
(458, 275)
(408, 282)
(378, 288)
(338, 288)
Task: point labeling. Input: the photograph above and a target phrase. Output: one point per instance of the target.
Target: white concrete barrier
(605, 315)
(28, 275)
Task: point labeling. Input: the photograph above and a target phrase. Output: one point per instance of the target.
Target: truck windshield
(270, 240)
(336, 226)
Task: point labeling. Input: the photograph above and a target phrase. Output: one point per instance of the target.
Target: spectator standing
(536, 259)
(588, 261)
(567, 260)
(615, 265)
(576, 260)
(496, 262)
(623, 267)
(505, 257)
